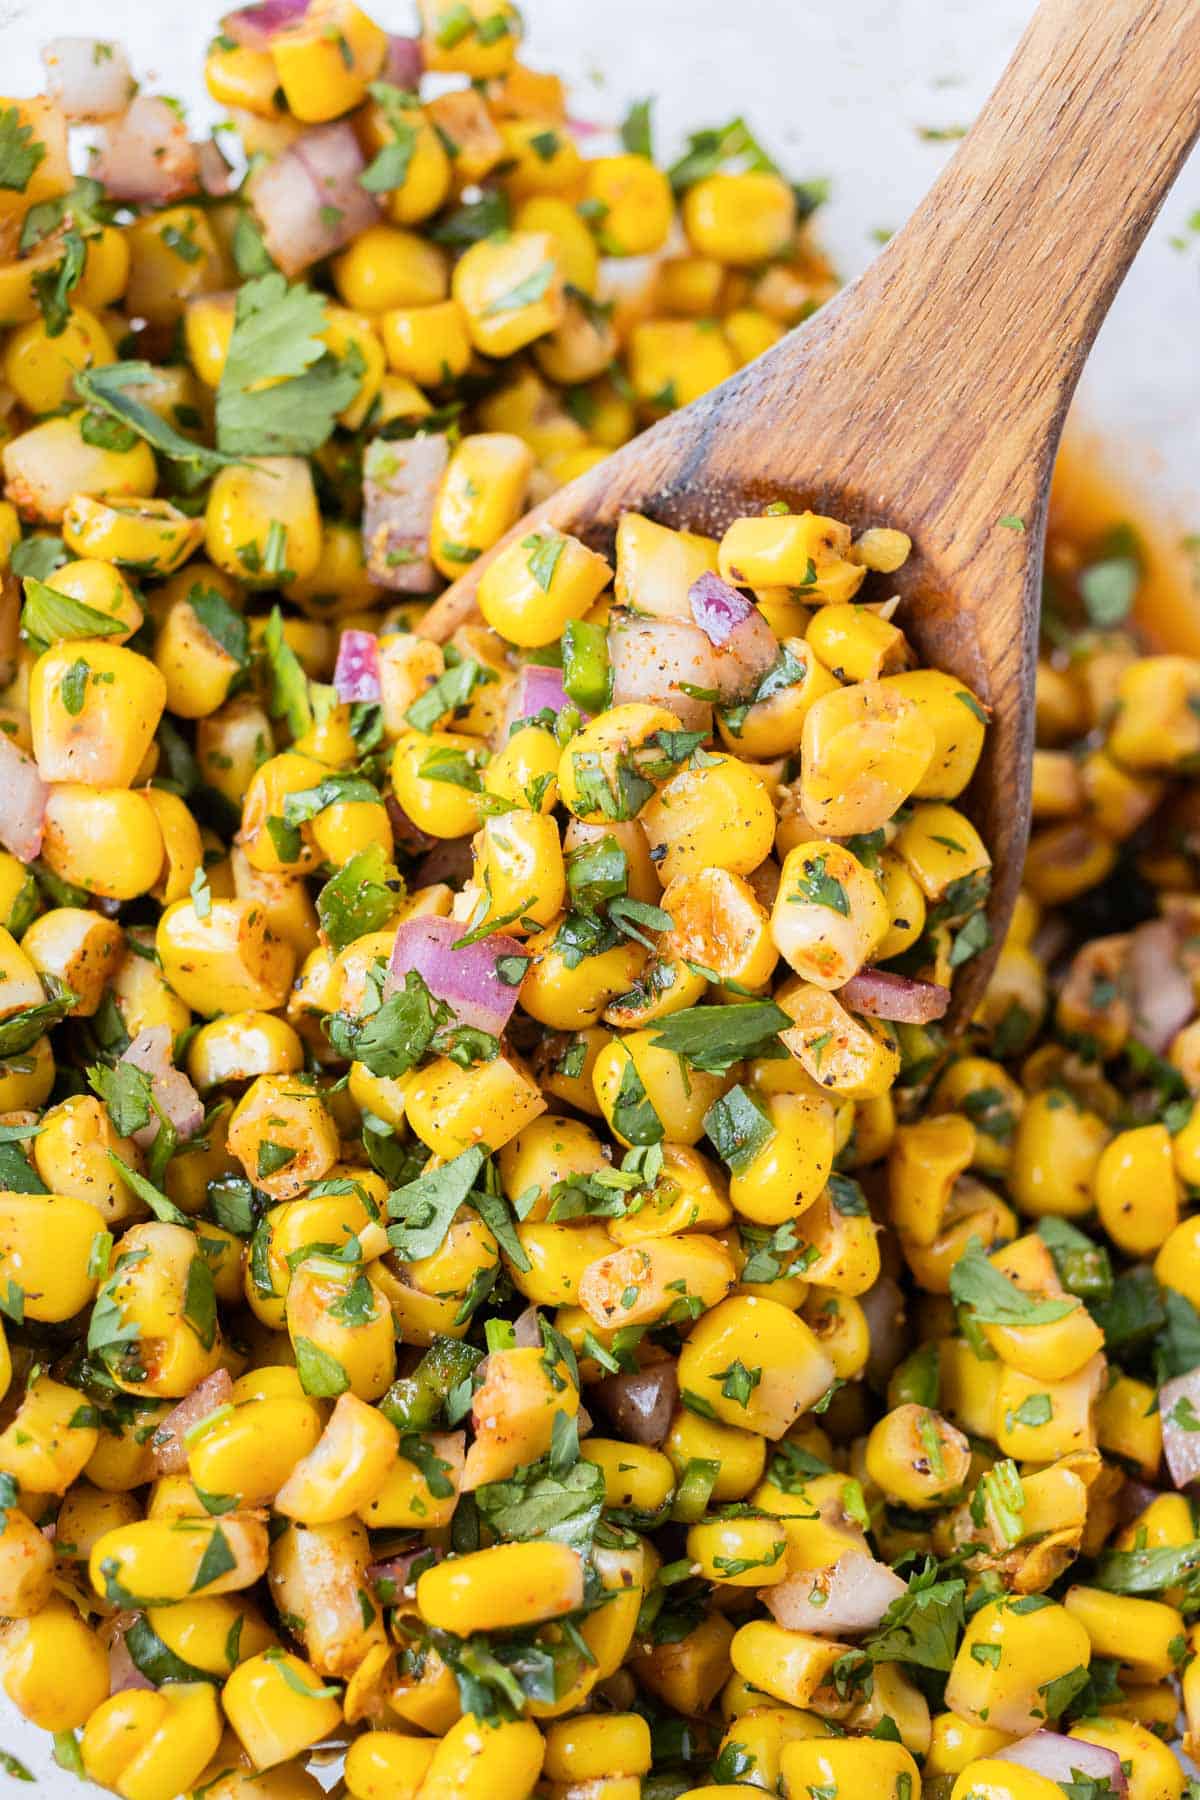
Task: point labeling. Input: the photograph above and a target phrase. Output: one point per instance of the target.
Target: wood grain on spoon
(931, 393)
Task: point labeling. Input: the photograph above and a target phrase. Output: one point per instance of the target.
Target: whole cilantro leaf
(281, 388)
(109, 389)
(20, 151)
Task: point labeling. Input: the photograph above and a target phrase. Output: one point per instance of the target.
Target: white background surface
(837, 88)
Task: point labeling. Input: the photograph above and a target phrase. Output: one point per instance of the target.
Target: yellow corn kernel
(958, 720)
(429, 172)
(342, 1331)
(452, 1109)
(146, 1745)
(172, 255)
(278, 1706)
(736, 1456)
(384, 1765)
(73, 1155)
(94, 708)
(843, 1763)
(742, 220)
(324, 65)
(723, 1547)
(41, 369)
(78, 947)
(1037, 1646)
(716, 816)
(225, 959)
(531, 590)
(481, 493)
(829, 915)
(789, 1665)
(1063, 861)
(261, 523)
(637, 1084)
(386, 267)
(1022, 1427)
(53, 1667)
(658, 1278)
(846, 1055)
(510, 1584)
(673, 361)
(511, 292)
(857, 645)
(630, 202)
(916, 1457)
(518, 872)
(475, 39)
(345, 1470)
(1137, 1190)
(796, 550)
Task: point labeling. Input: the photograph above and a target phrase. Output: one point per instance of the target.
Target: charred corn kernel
(797, 550)
(224, 958)
(513, 1413)
(689, 1674)
(720, 926)
(73, 1155)
(283, 1136)
(48, 465)
(53, 1667)
(917, 1457)
(26, 1566)
(511, 292)
(673, 361)
(94, 709)
(788, 1665)
(510, 1584)
(850, 1056)
(145, 1745)
(629, 201)
(644, 1094)
(278, 1706)
(759, 1334)
(856, 645)
(162, 1288)
(452, 1109)
(1037, 1644)
(865, 749)
(718, 815)
(829, 914)
(1024, 1428)
(746, 1552)
(673, 1278)
(1056, 1153)
(1136, 1189)
(261, 523)
(480, 496)
(78, 947)
(346, 1469)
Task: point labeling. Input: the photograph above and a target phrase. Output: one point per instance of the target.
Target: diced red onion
(89, 78)
(409, 837)
(883, 1307)
(1163, 997)
(466, 979)
(651, 657)
(1134, 1498)
(450, 861)
(124, 1676)
(145, 156)
(356, 676)
(1060, 1758)
(170, 1451)
(853, 1595)
(309, 200)
(587, 128)
(885, 995)
(745, 644)
(150, 1051)
(216, 176)
(255, 26)
(536, 688)
(400, 484)
(404, 62)
(398, 1569)
(640, 1402)
(527, 1329)
(1181, 1447)
(23, 796)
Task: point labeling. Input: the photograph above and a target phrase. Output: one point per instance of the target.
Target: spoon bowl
(930, 395)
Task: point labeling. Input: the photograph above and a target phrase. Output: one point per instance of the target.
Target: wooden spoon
(931, 393)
